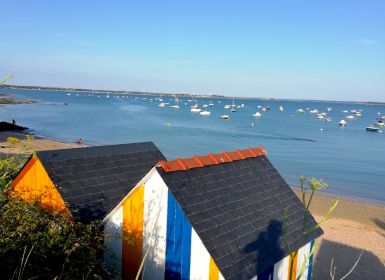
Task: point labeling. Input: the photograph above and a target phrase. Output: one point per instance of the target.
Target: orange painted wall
(293, 274)
(132, 233)
(34, 185)
(214, 271)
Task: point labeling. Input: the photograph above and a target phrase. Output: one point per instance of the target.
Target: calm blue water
(350, 160)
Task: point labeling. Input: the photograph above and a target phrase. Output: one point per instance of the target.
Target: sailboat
(176, 106)
(233, 107)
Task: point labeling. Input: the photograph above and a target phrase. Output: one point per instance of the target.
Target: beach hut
(218, 216)
(86, 183)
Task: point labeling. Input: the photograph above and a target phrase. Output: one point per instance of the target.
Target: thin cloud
(367, 42)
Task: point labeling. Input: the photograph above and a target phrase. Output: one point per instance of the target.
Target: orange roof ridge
(181, 164)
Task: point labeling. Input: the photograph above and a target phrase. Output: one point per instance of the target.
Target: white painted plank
(281, 269)
(113, 241)
(155, 227)
(200, 259)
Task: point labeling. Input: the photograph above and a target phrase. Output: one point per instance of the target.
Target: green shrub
(35, 243)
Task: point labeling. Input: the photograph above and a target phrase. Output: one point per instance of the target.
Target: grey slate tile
(236, 209)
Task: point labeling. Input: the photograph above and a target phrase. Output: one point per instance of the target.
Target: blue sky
(321, 49)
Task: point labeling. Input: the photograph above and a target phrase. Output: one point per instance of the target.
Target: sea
(349, 159)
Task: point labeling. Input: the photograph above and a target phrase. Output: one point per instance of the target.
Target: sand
(353, 227)
(36, 144)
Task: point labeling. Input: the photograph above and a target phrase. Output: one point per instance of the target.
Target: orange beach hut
(86, 183)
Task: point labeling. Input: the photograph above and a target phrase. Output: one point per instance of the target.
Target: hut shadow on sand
(369, 266)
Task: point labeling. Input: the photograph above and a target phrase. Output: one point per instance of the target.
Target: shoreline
(325, 193)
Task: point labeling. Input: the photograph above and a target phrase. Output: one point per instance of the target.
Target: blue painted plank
(310, 262)
(178, 242)
(186, 254)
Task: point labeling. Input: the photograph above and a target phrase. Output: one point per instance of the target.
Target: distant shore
(193, 95)
(5, 99)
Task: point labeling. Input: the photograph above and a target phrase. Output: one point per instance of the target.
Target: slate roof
(93, 180)
(236, 208)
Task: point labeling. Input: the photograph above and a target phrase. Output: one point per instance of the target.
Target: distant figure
(79, 141)
(13, 122)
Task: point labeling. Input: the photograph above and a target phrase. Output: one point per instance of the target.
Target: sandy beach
(353, 227)
(35, 144)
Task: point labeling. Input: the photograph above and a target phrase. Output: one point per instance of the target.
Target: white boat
(342, 123)
(68, 93)
(195, 110)
(205, 113)
(205, 106)
(175, 106)
(345, 111)
(320, 116)
(257, 114)
(233, 110)
(380, 122)
(314, 111)
(211, 104)
(162, 105)
(259, 106)
(227, 106)
(300, 111)
(281, 108)
(329, 109)
(372, 128)
(358, 114)
(350, 117)
(328, 119)
(225, 117)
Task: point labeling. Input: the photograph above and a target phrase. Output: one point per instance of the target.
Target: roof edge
(180, 164)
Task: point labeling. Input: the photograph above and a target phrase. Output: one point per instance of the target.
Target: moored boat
(342, 123)
(205, 113)
(195, 110)
(372, 128)
(380, 122)
(225, 117)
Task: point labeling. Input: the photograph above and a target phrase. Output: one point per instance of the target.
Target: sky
(297, 49)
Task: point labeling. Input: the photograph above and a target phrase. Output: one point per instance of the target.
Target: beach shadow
(381, 224)
(369, 266)
(267, 250)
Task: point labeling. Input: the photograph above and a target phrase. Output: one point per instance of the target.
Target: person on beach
(13, 122)
(79, 141)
